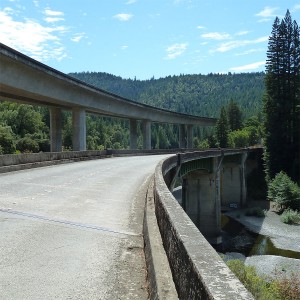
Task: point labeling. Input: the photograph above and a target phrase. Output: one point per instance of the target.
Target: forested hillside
(25, 128)
(201, 95)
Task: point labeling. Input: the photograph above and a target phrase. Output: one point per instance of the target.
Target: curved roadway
(74, 231)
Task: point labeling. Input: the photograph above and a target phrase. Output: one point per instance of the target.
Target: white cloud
(176, 50)
(249, 67)
(131, 1)
(30, 37)
(53, 20)
(240, 33)
(224, 47)
(216, 36)
(123, 17)
(124, 47)
(200, 27)
(78, 37)
(295, 8)
(49, 12)
(249, 51)
(267, 14)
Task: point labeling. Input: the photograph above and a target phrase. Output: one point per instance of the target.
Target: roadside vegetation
(286, 196)
(278, 287)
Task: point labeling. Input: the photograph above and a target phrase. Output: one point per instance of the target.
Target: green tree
(282, 119)
(222, 129)
(284, 192)
(7, 140)
(234, 116)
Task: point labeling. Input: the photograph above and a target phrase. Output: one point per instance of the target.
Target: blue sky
(144, 38)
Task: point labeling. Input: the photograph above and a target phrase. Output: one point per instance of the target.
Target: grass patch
(263, 288)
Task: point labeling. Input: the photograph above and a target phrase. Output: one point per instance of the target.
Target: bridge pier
(146, 129)
(189, 136)
(233, 181)
(79, 129)
(201, 200)
(55, 130)
(185, 136)
(182, 141)
(133, 134)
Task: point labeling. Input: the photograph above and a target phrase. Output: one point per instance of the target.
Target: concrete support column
(133, 134)
(201, 200)
(182, 141)
(79, 129)
(55, 130)
(243, 179)
(146, 128)
(189, 136)
(217, 164)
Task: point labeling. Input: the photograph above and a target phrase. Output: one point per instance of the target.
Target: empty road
(74, 231)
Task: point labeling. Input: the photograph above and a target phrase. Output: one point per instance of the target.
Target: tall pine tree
(222, 129)
(234, 116)
(282, 99)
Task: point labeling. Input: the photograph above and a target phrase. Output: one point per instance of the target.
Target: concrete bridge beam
(146, 129)
(133, 134)
(55, 130)
(79, 129)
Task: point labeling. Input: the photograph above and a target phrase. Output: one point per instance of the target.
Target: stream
(237, 238)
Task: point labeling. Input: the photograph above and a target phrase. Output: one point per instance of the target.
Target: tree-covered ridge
(201, 95)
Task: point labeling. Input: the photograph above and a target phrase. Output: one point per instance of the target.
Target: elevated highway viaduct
(55, 222)
(26, 80)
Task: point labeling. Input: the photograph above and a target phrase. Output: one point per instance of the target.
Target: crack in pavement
(66, 222)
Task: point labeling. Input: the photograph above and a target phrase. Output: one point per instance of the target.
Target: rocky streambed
(266, 243)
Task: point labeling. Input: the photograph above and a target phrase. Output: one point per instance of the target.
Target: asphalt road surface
(74, 231)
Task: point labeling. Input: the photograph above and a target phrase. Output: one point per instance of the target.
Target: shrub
(288, 287)
(7, 140)
(256, 285)
(284, 192)
(26, 144)
(281, 286)
(290, 216)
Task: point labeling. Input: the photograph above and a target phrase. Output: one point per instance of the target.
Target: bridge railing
(198, 271)
(15, 162)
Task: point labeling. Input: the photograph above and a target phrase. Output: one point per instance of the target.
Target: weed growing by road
(279, 287)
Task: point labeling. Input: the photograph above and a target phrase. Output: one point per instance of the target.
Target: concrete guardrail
(198, 271)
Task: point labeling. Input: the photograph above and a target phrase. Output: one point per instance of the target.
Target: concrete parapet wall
(16, 159)
(16, 162)
(198, 271)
